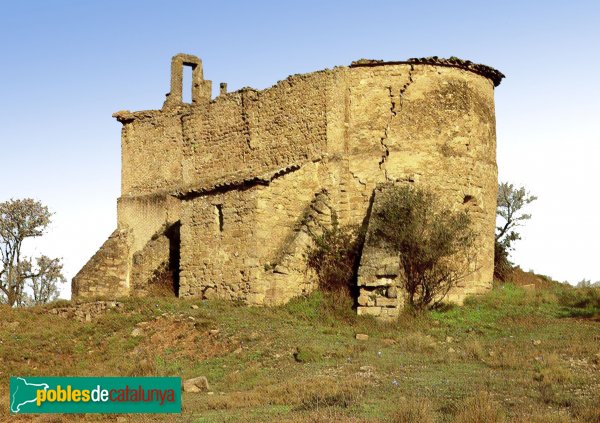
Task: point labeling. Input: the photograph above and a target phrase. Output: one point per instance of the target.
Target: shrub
(581, 298)
(432, 241)
(502, 265)
(334, 257)
(307, 355)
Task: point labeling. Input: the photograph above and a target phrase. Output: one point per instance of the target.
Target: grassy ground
(513, 355)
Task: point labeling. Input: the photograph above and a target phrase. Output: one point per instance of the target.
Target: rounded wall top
(486, 71)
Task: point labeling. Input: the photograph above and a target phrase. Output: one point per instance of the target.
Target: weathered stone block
(196, 384)
(373, 311)
(386, 302)
(392, 292)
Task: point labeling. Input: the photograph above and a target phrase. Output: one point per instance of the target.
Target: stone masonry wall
(243, 172)
(250, 132)
(103, 273)
(218, 246)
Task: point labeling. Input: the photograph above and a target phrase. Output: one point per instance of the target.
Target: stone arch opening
(200, 89)
(164, 281)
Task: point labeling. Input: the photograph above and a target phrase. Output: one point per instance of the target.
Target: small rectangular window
(219, 216)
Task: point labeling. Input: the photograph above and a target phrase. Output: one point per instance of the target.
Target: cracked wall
(241, 172)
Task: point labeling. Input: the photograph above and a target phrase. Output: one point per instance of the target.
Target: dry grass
(474, 350)
(551, 376)
(588, 414)
(303, 395)
(480, 408)
(417, 342)
(413, 410)
(323, 416)
(508, 356)
(552, 370)
(543, 417)
(254, 376)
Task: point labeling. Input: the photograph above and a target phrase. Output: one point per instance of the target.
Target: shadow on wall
(165, 281)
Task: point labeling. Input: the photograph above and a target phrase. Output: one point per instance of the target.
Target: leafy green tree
(511, 202)
(433, 242)
(20, 220)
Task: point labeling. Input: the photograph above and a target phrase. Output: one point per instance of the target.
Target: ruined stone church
(218, 196)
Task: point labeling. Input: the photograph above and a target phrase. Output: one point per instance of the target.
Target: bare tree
(44, 281)
(19, 220)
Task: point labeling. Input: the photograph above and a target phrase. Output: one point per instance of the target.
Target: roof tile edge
(494, 75)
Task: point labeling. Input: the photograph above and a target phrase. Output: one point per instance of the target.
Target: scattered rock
(13, 325)
(238, 350)
(137, 332)
(436, 323)
(84, 311)
(209, 293)
(364, 300)
(196, 384)
(392, 292)
(449, 339)
(537, 342)
(451, 350)
(214, 331)
(389, 341)
(194, 307)
(362, 336)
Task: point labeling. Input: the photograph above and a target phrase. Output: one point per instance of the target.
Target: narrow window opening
(219, 213)
(186, 81)
(469, 200)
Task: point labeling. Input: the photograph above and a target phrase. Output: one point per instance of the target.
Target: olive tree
(510, 212)
(433, 242)
(19, 220)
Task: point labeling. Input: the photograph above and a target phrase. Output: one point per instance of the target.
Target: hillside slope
(521, 355)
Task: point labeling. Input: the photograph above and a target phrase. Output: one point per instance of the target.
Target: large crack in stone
(393, 114)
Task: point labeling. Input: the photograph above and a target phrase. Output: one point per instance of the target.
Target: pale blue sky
(66, 66)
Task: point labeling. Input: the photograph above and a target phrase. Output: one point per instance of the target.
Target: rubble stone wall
(244, 173)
